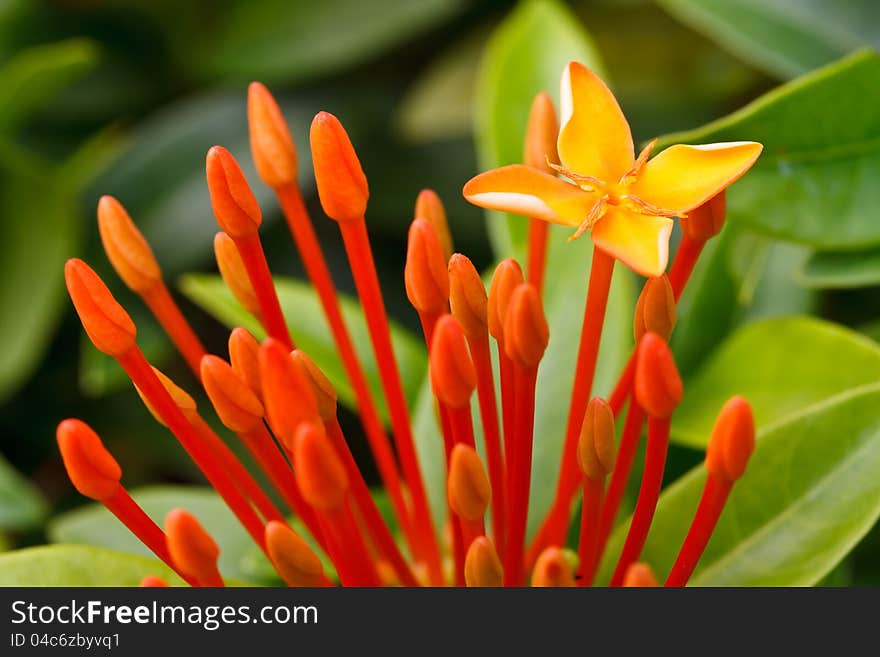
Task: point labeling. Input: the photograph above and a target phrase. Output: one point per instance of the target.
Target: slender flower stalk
(701, 225)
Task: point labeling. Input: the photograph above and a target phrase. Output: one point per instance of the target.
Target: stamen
(587, 183)
(640, 575)
(553, 568)
(630, 176)
(482, 567)
(540, 150)
(649, 208)
(295, 561)
(192, 548)
(430, 207)
(592, 217)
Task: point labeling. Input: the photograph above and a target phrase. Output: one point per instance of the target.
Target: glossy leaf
(278, 41)
(22, 506)
(842, 270)
(810, 185)
(810, 493)
(311, 333)
(94, 525)
(781, 366)
(79, 565)
(525, 56)
(783, 37)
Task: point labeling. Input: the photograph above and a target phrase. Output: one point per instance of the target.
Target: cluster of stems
(281, 406)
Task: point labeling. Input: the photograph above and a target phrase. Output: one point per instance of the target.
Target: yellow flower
(627, 201)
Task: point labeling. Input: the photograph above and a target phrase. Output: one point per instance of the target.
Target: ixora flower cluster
(282, 407)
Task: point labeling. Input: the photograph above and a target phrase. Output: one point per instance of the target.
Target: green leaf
(311, 333)
(568, 267)
(841, 270)
(94, 525)
(79, 565)
(279, 41)
(781, 366)
(22, 506)
(36, 75)
(810, 493)
(783, 37)
(525, 56)
(811, 185)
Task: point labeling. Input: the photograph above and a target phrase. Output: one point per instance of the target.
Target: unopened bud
(467, 487)
(453, 377)
(126, 247)
(342, 185)
(92, 469)
(541, 134)
(272, 146)
(467, 296)
(639, 575)
(482, 567)
(192, 549)
(507, 277)
(658, 386)
(320, 473)
(425, 274)
(107, 324)
(596, 442)
(655, 309)
(182, 399)
(554, 568)
(232, 200)
(732, 441)
(287, 395)
(526, 333)
(234, 273)
(703, 223)
(237, 407)
(325, 393)
(430, 207)
(292, 557)
(244, 353)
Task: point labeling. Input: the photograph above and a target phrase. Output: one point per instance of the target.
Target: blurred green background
(125, 97)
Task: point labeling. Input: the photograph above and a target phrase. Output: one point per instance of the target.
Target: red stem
(347, 548)
(652, 480)
(300, 225)
(251, 251)
(588, 545)
(537, 255)
(167, 312)
(715, 494)
(360, 256)
(505, 371)
(683, 265)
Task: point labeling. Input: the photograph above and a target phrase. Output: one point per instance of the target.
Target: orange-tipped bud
(482, 567)
(732, 441)
(554, 568)
(430, 207)
(706, 221)
(596, 442)
(655, 309)
(192, 549)
(234, 273)
(507, 277)
(181, 398)
(639, 575)
(526, 333)
(467, 296)
(425, 275)
(153, 582)
(91, 468)
(323, 390)
(126, 247)
(107, 324)
(237, 406)
(541, 134)
(453, 377)
(467, 487)
(342, 185)
(232, 200)
(320, 473)
(287, 395)
(658, 386)
(271, 143)
(292, 557)
(244, 353)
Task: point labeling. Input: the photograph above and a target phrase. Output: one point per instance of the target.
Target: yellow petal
(639, 241)
(527, 191)
(594, 139)
(683, 177)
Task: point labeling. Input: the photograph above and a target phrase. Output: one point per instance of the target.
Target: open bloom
(626, 200)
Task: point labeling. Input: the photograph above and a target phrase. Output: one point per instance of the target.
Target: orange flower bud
(292, 557)
(271, 143)
(706, 221)
(453, 377)
(181, 398)
(342, 185)
(639, 575)
(232, 200)
(244, 355)
(596, 443)
(287, 395)
(482, 567)
(655, 309)
(107, 324)
(425, 275)
(467, 487)
(320, 473)
(430, 207)
(234, 273)
(91, 468)
(541, 134)
(467, 296)
(192, 549)
(553, 568)
(658, 387)
(153, 582)
(325, 393)
(526, 333)
(237, 407)
(507, 277)
(126, 247)
(732, 441)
